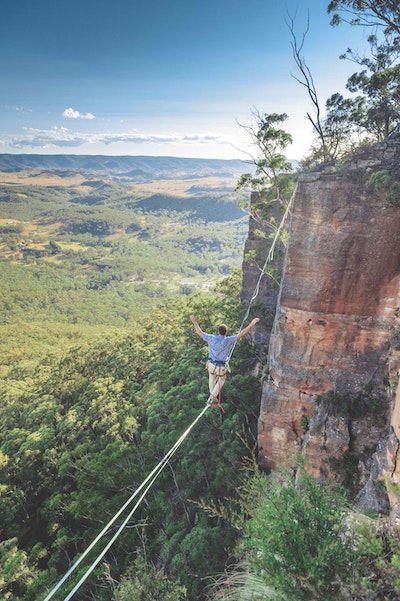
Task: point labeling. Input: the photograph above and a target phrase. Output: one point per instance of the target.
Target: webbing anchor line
(269, 258)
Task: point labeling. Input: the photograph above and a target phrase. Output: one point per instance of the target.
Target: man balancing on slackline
(218, 353)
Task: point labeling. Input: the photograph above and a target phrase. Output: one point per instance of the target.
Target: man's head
(223, 329)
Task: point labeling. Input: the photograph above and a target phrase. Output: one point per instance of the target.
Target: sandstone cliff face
(334, 351)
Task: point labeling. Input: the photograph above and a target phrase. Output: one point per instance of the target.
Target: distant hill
(208, 208)
(132, 167)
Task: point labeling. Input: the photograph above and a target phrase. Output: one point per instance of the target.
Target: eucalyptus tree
(373, 111)
(384, 14)
(334, 128)
(270, 176)
(272, 182)
(377, 84)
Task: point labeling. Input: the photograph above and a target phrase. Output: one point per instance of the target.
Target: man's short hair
(223, 329)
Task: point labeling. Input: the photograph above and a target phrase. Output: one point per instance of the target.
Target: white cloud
(37, 138)
(71, 113)
(137, 138)
(61, 136)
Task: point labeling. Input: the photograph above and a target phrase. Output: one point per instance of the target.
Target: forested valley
(101, 372)
(83, 256)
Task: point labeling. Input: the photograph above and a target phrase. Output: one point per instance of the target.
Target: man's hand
(198, 329)
(248, 328)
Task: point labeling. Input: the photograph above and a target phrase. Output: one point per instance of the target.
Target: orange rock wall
(337, 320)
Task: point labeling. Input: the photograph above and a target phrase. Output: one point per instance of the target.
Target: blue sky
(159, 77)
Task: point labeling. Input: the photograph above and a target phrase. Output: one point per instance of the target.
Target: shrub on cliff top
(297, 542)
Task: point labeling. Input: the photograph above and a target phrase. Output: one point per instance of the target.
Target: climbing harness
(218, 369)
(152, 477)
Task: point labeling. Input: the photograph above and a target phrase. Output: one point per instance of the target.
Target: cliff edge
(334, 350)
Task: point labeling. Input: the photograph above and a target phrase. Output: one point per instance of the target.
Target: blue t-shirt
(219, 346)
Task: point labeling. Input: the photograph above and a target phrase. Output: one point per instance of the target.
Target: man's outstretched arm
(196, 326)
(248, 328)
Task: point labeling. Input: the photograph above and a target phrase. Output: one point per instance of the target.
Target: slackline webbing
(151, 478)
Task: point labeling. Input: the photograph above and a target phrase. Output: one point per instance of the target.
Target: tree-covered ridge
(79, 438)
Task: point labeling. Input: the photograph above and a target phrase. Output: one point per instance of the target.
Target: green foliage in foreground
(89, 428)
(302, 542)
(296, 537)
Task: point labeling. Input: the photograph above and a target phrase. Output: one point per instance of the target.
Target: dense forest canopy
(79, 437)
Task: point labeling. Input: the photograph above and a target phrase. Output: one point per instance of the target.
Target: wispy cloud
(63, 137)
(137, 138)
(45, 138)
(14, 108)
(71, 113)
